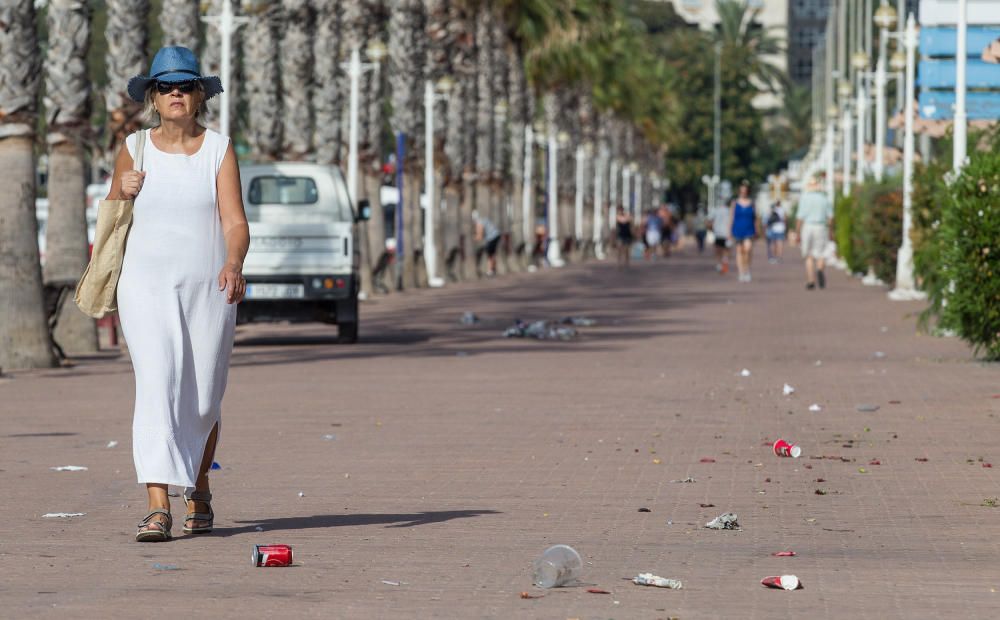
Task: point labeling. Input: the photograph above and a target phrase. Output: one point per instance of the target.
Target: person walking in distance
(700, 229)
(720, 217)
(623, 233)
(653, 237)
(744, 229)
(777, 227)
(181, 279)
(488, 238)
(814, 220)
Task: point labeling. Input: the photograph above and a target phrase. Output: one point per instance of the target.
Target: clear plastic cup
(558, 566)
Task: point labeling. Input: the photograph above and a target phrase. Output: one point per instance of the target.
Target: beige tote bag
(96, 291)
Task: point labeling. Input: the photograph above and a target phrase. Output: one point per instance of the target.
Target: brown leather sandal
(155, 531)
(206, 498)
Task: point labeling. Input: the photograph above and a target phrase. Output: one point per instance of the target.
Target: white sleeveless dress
(176, 321)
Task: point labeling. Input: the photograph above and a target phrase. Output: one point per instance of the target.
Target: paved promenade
(444, 458)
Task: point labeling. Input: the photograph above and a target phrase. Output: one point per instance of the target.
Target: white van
(304, 254)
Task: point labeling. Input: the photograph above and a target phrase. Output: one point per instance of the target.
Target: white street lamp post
(599, 165)
(830, 152)
(960, 138)
(430, 247)
(526, 210)
(613, 193)
(885, 19)
(862, 101)
(905, 289)
(227, 25)
(846, 183)
(627, 190)
(578, 196)
(355, 69)
(638, 196)
(554, 254)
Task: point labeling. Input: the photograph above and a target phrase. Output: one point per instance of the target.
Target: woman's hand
(231, 280)
(131, 184)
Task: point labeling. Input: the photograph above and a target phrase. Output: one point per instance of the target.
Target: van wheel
(347, 333)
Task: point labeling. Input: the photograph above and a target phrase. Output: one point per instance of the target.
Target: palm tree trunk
(260, 51)
(68, 102)
(297, 79)
(24, 339)
(127, 37)
(180, 20)
(405, 22)
(485, 102)
(518, 121)
(327, 99)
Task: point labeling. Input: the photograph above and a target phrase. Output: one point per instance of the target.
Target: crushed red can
(783, 448)
(782, 582)
(272, 555)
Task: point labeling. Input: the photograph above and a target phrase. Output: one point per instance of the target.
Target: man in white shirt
(721, 224)
(814, 219)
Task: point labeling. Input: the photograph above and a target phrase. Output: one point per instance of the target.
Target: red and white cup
(783, 448)
(781, 582)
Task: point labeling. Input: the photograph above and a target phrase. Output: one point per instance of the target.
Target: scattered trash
(258, 529)
(394, 583)
(301, 494)
(557, 566)
(991, 502)
(158, 566)
(656, 461)
(540, 330)
(330, 437)
(814, 408)
(867, 408)
(879, 355)
(578, 321)
(271, 555)
(874, 462)
(597, 591)
(706, 505)
(921, 459)
(707, 460)
(783, 448)
(895, 402)
(689, 479)
(112, 444)
(788, 390)
(988, 465)
(862, 470)
(63, 515)
(784, 554)
(530, 595)
(216, 465)
(69, 468)
(819, 362)
(469, 318)
(745, 373)
(645, 510)
(725, 521)
(821, 492)
(783, 582)
(883, 329)
(649, 579)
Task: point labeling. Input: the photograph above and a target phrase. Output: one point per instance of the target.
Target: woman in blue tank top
(744, 230)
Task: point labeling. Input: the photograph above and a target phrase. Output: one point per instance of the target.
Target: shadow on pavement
(345, 520)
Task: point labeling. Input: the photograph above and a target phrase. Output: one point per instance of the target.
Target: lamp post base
(554, 255)
(905, 289)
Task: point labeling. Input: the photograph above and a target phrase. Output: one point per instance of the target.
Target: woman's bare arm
(235, 228)
(125, 182)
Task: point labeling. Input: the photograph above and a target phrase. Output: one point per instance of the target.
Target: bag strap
(140, 148)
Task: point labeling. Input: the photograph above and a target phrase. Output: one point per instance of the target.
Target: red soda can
(272, 555)
(783, 448)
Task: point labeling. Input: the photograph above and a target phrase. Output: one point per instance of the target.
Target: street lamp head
(885, 17)
(844, 89)
(831, 111)
(445, 85)
(376, 51)
(898, 61)
(859, 60)
(563, 138)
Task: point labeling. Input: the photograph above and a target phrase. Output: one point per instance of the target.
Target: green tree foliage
(876, 227)
(970, 228)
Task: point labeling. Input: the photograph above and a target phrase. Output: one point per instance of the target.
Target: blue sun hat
(173, 64)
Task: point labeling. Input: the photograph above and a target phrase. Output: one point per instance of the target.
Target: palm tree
(127, 36)
(754, 47)
(260, 49)
(297, 79)
(67, 103)
(180, 20)
(327, 96)
(24, 339)
(405, 26)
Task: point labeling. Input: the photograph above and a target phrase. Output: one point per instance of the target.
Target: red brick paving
(459, 456)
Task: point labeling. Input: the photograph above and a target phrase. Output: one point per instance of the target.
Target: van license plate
(276, 291)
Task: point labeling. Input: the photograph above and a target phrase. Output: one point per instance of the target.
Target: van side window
(278, 190)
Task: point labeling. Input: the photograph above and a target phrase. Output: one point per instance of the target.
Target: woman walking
(623, 231)
(180, 282)
(744, 229)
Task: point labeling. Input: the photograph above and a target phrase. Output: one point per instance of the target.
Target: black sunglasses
(165, 88)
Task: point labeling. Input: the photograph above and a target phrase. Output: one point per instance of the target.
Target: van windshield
(293, 199)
